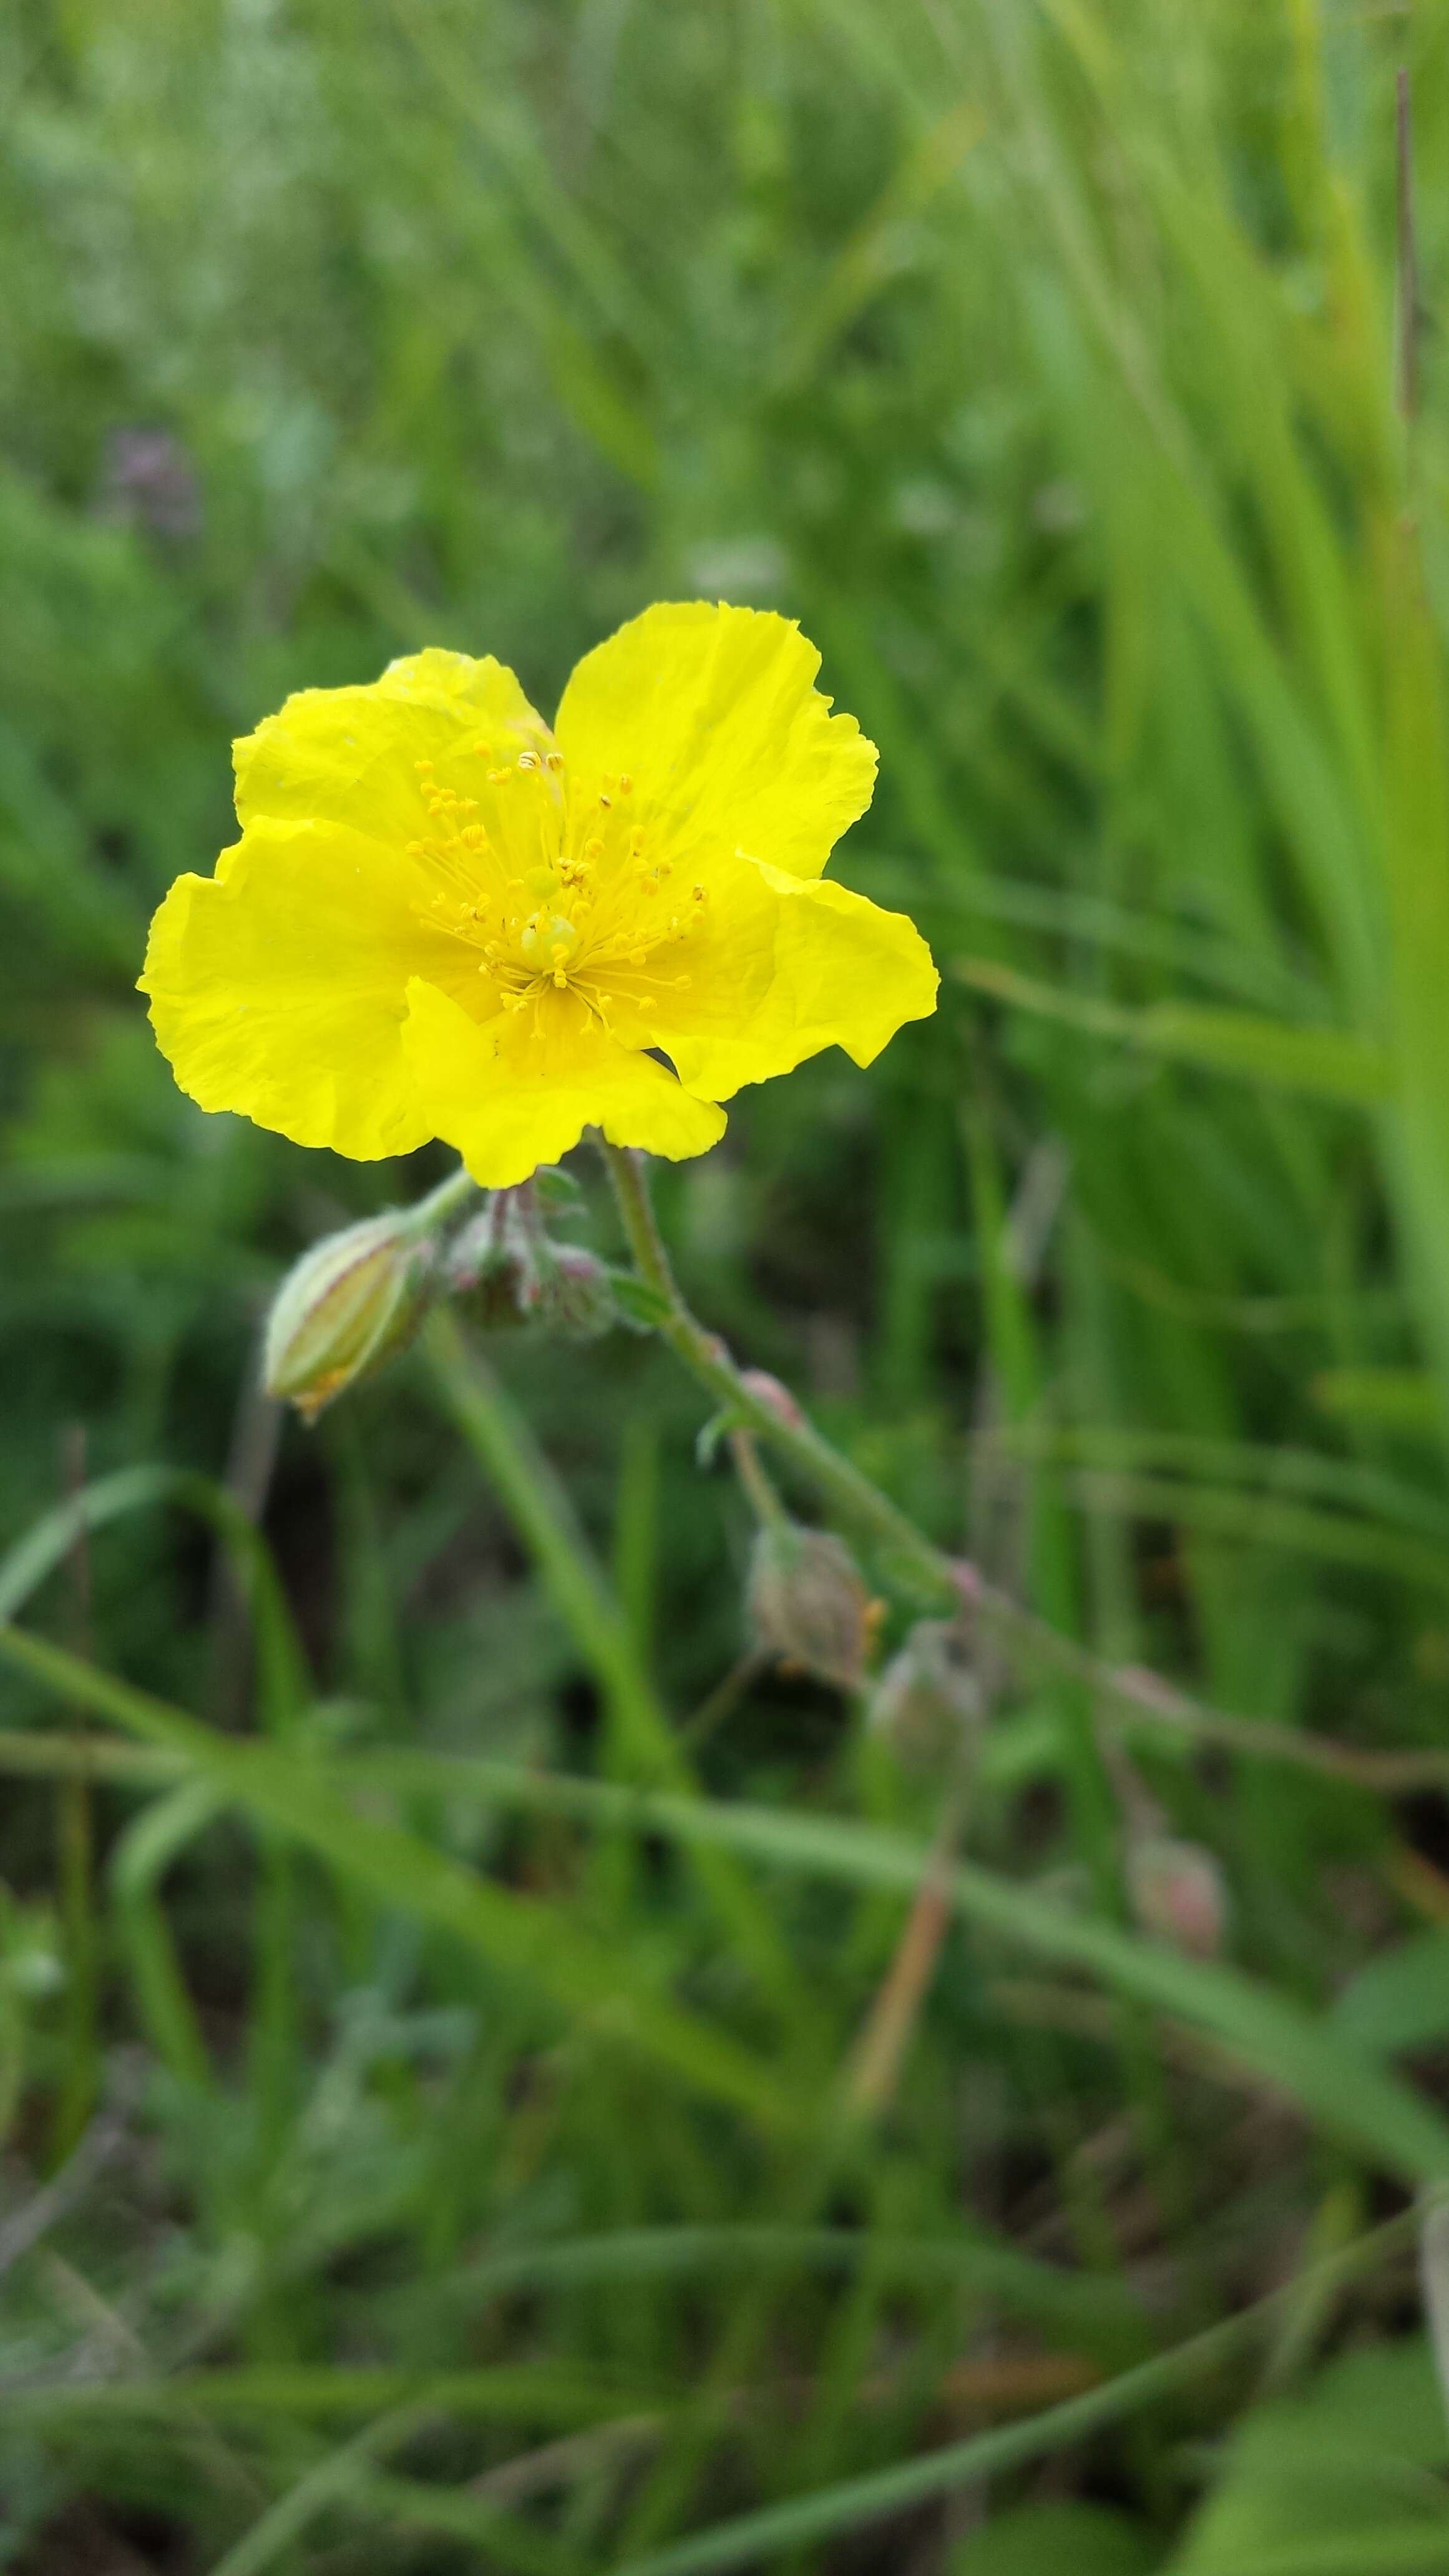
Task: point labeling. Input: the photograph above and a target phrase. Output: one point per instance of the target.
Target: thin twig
(874, 2070)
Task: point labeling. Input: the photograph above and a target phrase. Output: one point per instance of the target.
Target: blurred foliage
(1041, 357)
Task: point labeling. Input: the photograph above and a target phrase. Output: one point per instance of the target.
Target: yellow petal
(519, 1090)
(279, 986)
(778, 968)
(714, 714)
(351, 755)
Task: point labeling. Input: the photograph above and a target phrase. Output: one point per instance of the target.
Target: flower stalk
(917, 1566)
(440, 1206)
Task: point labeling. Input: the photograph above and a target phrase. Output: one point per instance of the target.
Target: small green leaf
(639, 1304)
(719, 1425)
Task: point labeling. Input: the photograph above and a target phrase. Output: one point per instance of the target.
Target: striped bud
(347, 1307)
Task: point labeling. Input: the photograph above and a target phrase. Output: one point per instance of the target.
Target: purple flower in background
(150, 483)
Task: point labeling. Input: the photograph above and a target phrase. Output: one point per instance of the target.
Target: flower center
(556, 891)
(548, 943)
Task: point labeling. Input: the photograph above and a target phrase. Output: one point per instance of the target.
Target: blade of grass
(1327, 1064)
(324, 2393)
(760, 2538)
(1282, 2046)
(1349, 2096)
(142, 1855)
(525, 1938)
(285, 1681)
(536, 1502)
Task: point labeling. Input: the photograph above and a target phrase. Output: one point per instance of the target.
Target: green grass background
(453, 2174)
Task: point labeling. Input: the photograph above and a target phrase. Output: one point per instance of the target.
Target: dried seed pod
(505, 1272)
(808, 1605)
(928, 1697)
(1177, 1894)
(575, 1295)
(491, 1269)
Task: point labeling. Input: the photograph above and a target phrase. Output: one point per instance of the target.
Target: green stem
(921, 1566)
(444, 1202)
(764, 1502)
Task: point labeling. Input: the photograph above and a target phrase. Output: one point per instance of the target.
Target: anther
(626, 784)
(528, 760)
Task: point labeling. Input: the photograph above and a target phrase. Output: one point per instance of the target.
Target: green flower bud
(349, 1305)
(808, 1605)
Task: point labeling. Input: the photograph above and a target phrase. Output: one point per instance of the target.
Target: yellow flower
(443, 920)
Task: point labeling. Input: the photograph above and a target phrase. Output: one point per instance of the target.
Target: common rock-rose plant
(443, 919)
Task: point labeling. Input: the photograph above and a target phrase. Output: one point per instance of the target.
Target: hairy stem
(447, 1200)
(921, 1567)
